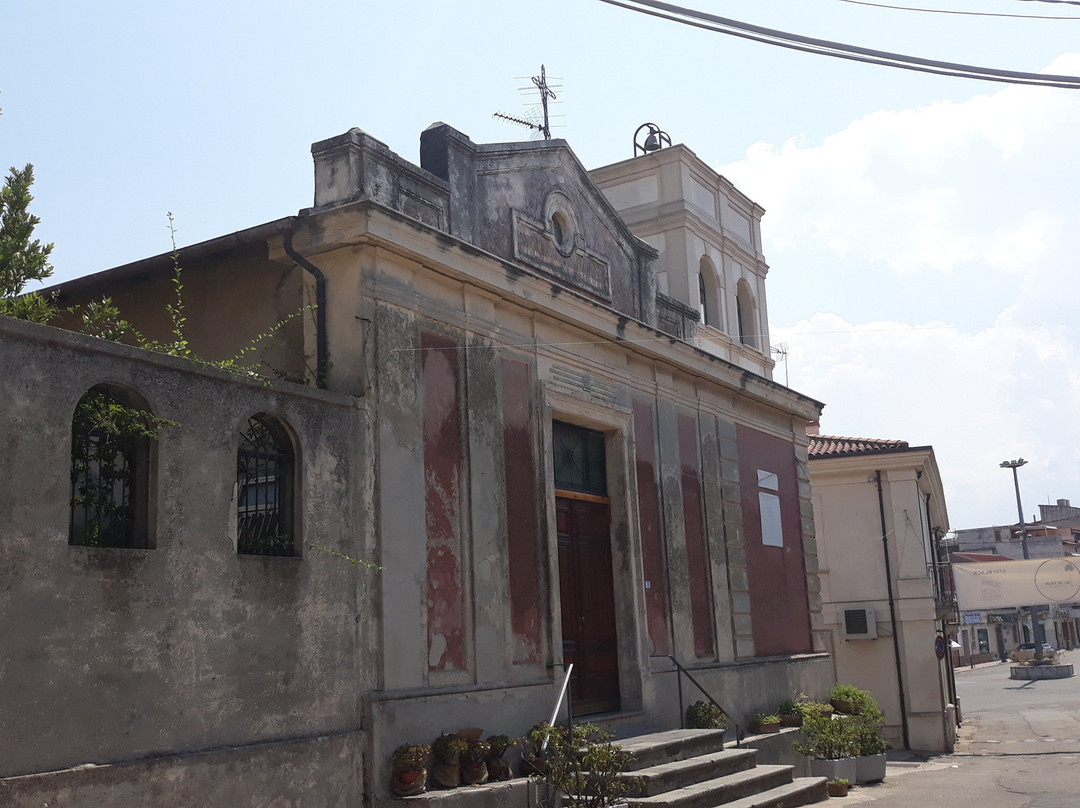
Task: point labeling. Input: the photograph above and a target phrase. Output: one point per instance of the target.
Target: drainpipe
(892, 611)
(320, 308)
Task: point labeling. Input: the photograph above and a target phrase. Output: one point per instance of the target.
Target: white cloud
(930, 188)
(962, 209)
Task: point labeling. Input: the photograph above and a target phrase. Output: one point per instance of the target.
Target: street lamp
(1036, 627)
(1014, 465)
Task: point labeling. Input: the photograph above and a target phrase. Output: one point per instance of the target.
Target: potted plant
(838, 786)
(536, 747)
(763, 722)
(409, 763)
(474, 770)
(447, 751)
(705, 715)
(790, 713)
(846, 698)
(869, 743)
(498, 767)
(829, 743)
(586, 768)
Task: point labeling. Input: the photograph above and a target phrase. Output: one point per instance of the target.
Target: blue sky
(920, 229)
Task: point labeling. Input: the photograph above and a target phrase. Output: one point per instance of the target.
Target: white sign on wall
(1000, 584)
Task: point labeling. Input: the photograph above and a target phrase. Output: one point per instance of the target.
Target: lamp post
(1036, 627)
(1014, 465)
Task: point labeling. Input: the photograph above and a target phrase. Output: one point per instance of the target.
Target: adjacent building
(880, 513)
(534, 404)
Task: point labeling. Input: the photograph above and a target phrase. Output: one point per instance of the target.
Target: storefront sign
(998, 584)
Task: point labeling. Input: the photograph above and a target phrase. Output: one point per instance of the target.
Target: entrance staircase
(687, 768)
(692, 769)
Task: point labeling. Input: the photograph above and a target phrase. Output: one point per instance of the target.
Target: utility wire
(965, 13)
(1063, 2)
(824, 47)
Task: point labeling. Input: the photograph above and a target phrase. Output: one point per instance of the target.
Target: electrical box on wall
(860, 624)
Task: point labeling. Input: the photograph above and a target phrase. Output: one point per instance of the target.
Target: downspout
(892, 611)
(320, 308)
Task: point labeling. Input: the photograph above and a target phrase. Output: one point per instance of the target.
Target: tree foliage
(23, 258)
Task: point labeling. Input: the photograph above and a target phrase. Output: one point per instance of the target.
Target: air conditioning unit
(860, 624)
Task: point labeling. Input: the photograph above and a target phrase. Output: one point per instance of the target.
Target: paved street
(1019, 747)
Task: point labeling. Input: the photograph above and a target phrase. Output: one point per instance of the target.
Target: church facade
(525, 419)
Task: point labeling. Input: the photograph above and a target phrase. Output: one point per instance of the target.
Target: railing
(681, 671)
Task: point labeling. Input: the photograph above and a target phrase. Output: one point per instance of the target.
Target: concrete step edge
(804, 790)
(700, 793)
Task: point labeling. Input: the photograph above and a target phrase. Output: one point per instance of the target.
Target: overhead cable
(824, 47)
(964, 13)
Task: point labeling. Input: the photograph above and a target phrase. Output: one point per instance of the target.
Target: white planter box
(833, 769)
(869, 768)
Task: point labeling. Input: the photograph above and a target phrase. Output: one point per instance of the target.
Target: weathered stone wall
(320, 772)
(111, 655)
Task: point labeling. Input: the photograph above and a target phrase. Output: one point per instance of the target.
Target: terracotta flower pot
(838, 789)
(409, 784)
(446, 775)
(499, 769)
(474, 773)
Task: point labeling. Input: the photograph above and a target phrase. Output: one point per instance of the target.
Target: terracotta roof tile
(835, 446)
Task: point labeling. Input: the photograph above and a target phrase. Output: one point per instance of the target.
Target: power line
(964, 13)
(824, 47)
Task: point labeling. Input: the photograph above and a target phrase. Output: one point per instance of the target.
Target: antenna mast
(543, 126)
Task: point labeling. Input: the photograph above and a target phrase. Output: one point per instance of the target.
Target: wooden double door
(587, 595)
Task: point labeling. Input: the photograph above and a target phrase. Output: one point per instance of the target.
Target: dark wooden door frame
(587, 597)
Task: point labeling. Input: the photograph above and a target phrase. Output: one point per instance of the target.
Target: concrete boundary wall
(322, 772)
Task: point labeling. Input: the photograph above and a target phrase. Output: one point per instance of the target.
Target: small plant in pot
(847, 699)
(409, 763)
(474, 770)
(498, 767)
(536, 747)
(790, 713)
(705, 715)
(763, 722)
(447, 751)
(587, 768)
(838, 787)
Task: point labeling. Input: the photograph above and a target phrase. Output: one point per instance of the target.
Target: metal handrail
(680, 670)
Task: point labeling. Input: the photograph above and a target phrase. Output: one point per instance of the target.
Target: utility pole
(1038, 633)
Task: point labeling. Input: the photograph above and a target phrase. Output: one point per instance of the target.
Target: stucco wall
(853, 575)
(118, 654)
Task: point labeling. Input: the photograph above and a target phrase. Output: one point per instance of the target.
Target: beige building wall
(852, 552)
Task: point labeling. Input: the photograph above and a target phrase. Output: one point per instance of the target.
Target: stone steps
(677, 769)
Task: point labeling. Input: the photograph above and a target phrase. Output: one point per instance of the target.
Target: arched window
(111, 435)
(746, 312)
(709, 302)
(703, 300)
(265, 489)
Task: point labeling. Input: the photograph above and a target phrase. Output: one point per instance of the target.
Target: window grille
(578, 459)
(109, 472)
(264, 485)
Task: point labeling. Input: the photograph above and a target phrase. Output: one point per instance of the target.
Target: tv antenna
(539, 120)
(781, 350)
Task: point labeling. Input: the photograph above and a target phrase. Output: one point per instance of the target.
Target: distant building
(879, 511)
(993, 634)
